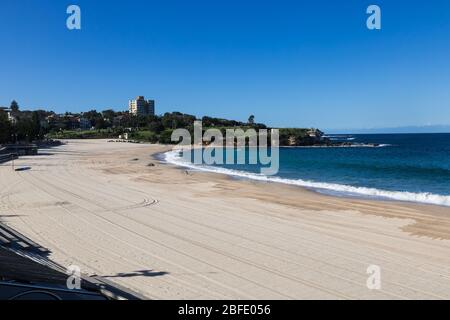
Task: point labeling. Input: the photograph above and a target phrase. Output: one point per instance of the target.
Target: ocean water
(406, 167)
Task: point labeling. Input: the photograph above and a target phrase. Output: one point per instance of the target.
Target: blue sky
(290, 63)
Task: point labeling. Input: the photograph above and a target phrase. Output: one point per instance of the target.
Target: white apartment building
(141, 107)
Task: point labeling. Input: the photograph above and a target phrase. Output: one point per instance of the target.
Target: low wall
(7, 157)
(20, 149)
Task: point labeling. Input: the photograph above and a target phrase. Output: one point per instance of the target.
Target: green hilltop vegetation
(28, 126)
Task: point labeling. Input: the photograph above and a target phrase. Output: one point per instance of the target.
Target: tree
(93, 116)
(155, 126)
(251, 120)
(109, 114)
(24, 129)
(5, 128)
(14, 107)
(177, 120)
(35, 126)
(100, 123)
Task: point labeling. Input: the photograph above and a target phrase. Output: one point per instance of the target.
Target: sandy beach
(171, 234)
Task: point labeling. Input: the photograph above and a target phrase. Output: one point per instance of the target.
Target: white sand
(170, 235)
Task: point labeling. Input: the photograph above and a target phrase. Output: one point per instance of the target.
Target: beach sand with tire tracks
(171, 235)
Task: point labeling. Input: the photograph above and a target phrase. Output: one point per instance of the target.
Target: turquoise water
(409, 167)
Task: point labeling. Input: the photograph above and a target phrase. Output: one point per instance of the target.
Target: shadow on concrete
(9, 238)
(26, 273)
(23, 169)
(140, 273)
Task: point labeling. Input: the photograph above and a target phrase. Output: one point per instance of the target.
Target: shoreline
(166, 234)
(213, 175)
(323, 188)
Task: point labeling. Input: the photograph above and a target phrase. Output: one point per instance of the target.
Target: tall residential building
(141, 107)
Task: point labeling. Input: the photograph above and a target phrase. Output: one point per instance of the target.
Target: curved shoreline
(329, 189)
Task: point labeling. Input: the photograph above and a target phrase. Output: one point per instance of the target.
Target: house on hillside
(9, 112)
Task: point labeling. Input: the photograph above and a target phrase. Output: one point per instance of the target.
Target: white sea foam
(174, 157)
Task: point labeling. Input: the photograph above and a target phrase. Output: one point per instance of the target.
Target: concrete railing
(20, 149)
(8, 157)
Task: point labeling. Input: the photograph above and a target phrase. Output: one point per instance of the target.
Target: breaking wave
(174, 157)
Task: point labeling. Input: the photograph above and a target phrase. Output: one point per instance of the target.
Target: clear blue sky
(291, 63)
